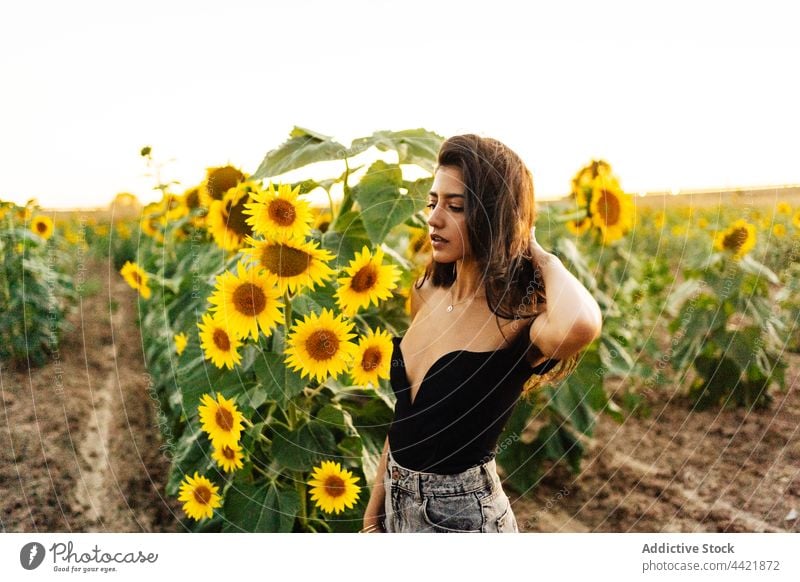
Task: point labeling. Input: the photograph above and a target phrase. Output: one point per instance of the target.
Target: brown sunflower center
(221, 340)
(371, 359)
(193, 198)
(224, 419)
(334, 486)
(136, 277)
(202, 494)
(221, 180)
(365, 279)
(608, 208)
(735, 239)
(322, 344)
(235, 219)
(228, 453)
(285, 261)
(249, 299)
(282, 212)
(41, 227)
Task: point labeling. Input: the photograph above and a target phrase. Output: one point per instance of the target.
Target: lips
(437, 238)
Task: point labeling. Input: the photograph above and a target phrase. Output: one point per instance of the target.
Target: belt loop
(488, 474)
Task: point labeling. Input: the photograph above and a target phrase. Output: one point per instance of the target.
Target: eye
(456, 209)
(431, 206)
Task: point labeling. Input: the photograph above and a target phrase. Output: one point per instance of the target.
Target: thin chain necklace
(450, 307)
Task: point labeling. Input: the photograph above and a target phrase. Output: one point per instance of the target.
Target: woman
(481, 334)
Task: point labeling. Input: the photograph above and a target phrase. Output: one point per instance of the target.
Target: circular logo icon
(31, 555)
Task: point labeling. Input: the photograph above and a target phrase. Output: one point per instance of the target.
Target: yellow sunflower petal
(367, 281)
(218, 341)
(319, 345)
(247, 301)
(373, 358)
(200, 497)
(280, 214)
(333, 488)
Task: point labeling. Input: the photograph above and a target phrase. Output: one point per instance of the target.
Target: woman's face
(446, 216)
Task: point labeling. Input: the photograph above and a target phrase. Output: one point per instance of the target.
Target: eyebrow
(432, 193)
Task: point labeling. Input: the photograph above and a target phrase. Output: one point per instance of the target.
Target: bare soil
(79, 441)
(679, 471)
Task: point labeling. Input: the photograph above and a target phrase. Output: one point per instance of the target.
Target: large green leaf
(382, 204)
(303, 147)
(301, 449)
(280, 383)
(413, 146)
(260, 508)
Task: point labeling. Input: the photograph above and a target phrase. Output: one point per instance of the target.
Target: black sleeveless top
(461, 407)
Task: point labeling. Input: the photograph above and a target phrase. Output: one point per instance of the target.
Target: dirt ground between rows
(79, 450)
(679, 471)
(79, 443)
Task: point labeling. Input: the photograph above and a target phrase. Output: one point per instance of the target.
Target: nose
(435, 218)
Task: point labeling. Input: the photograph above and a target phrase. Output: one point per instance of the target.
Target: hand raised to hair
(537, 252)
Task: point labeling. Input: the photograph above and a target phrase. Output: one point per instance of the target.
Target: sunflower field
(267, 322)
(34, 292)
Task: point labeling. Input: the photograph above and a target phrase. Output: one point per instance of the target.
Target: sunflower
(43, 226)
(368, 281)
(319, 345)
(180, 342)
(280, 214)
(229, 457)
(247, 301)
(151, 222)
(122, 230)
(373, 358)
(199, 497)
(173, 208)
(611, 210)
(796, 219)
(219, 345)
(295, 264)
(739, 239)
(218, 181)
(226, 219)
(136, 277)
(333, 488)
(221, 420)
(192, 198)
(578, 227)
(779, 230)
(784, 208)
(322, 220)
(702, 222)
(418, 244)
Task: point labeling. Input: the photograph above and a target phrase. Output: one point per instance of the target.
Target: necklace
(450, 307)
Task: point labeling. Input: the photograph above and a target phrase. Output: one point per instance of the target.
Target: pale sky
(677, 95)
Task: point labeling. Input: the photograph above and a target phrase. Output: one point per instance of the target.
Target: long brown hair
(500, 212)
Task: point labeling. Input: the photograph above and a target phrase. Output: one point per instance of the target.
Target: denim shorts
(469, 502)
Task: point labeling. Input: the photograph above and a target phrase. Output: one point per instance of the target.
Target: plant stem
(301, 492)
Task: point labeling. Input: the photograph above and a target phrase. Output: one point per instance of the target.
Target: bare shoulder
(420, 294)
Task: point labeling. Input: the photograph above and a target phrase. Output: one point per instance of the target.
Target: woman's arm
(375, 507)
(572, 317)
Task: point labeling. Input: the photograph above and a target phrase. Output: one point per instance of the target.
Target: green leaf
(382, 204)
(300, 450)
(302, 148)
(260, 508)
(334, 416)
(413, 146)
(280, 383)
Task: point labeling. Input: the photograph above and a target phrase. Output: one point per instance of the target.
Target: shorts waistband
(481, 477)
